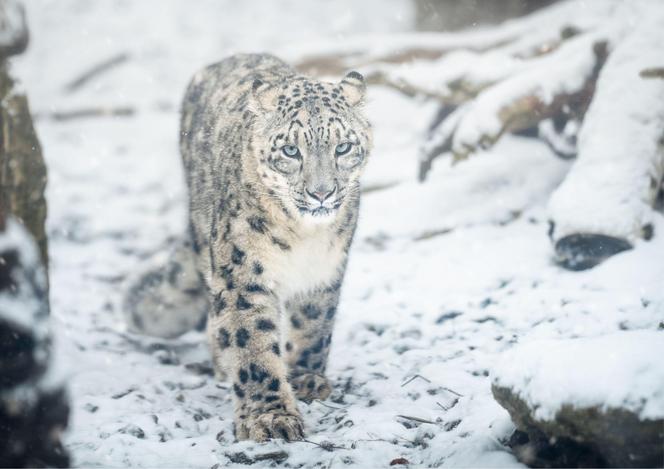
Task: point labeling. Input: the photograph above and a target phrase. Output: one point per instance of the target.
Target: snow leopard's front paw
(310, 386)
(272, 425)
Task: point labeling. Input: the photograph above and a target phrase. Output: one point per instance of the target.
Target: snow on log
(540, 92)
(523, 37)
(612, 186)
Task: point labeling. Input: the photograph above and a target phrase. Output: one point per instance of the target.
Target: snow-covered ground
(443, 276)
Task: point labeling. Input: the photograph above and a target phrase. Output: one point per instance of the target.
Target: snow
(616, 371)
(609, 190)
(573, 63)
(20, 307)
(23, 310)
(12, 23)
(362, 44)
(471, 65)
(443, 277)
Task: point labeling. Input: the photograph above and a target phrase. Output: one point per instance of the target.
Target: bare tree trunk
(22, 167)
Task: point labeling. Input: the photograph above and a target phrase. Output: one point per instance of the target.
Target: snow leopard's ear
(353, 88)
(266, 95)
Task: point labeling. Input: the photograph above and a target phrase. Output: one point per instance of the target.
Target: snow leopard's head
(311, 143)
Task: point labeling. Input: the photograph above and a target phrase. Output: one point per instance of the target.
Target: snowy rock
(33, 403)
(581, 251)
(13, 28)
(586, 401)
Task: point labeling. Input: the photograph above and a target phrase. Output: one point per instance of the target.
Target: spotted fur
(270, 232)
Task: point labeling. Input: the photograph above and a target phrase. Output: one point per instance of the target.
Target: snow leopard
(272, 161)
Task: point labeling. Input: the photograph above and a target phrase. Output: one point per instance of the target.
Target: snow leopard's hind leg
(169, 298)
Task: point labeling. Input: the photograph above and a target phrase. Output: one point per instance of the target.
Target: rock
(587, 437)
(592, 402)
(13, 29)
(33, 402)
(584, 251)
(133, 430)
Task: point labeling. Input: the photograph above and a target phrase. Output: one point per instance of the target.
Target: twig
(124, 393)
(96, 70)
(83, 113)
(655, 72)
(373, 438)
(412, 442)
(328, 405)
(452, 391)
(432, 233)
(413, 379)
(325, 445)
(416, 419)
(454, 402)
(276, 456)
(378, 187)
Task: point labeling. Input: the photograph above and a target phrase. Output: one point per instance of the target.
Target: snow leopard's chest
(310, 263)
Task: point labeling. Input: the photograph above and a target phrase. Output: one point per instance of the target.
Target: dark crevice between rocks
(536, 450)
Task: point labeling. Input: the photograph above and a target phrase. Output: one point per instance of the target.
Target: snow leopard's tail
(169, 298)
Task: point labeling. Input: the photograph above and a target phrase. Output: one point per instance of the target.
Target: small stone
(326, 445)
(448, 316)
(276, 456)
(133, 430)
(200, 368)
(124, 393)
(91, 408)
(399, 462)
(239, 458)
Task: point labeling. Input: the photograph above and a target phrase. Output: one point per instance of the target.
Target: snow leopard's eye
(343, 148)
(291, 151)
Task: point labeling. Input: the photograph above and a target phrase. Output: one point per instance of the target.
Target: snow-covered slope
(442, 278)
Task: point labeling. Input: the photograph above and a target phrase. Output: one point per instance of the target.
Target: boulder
(33, 402)
(589, 402)
(13, 29)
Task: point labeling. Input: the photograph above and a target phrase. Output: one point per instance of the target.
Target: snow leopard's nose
(321, 195)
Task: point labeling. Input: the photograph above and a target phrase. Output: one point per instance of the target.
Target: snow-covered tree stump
(592, 70)
(591, 402)
(22, 167)
(33, 402)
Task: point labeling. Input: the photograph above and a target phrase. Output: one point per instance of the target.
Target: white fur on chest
(311, 262)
